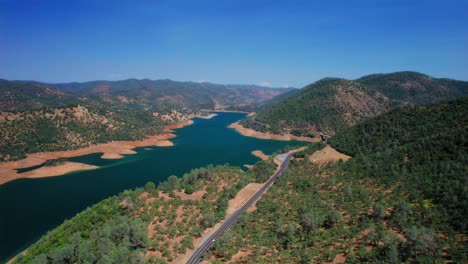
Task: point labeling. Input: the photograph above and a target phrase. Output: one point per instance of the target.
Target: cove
(31, 207)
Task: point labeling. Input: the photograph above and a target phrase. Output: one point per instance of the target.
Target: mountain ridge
(330, 104)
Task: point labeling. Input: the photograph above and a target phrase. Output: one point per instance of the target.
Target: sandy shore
(170, 128)
(260, 154)
(253, 133)
(225, 111)
(49, 171)
(110, 150)
(206, 116)
(248, 166)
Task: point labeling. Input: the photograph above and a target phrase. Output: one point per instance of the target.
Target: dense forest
(331, 103)
(414, 87)
(422, 149)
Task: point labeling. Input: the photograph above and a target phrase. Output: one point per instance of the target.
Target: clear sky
(244, 42)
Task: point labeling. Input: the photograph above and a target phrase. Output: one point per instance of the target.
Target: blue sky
(272, 42)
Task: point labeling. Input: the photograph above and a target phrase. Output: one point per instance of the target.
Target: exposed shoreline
(248, 132)
(225, 111)
(110, 150)
(259, 154)
(207, 116)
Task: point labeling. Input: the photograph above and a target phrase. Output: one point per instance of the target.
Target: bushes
(150, 186)
(263, 170)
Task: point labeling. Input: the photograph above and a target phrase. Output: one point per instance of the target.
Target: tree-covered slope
(401, 198)
(415, 87)
(331, 104)
(36, 117)
(324, 214)
(423, 148)
(146, 225)
(325, 106)
(28, 95)
(71, 127)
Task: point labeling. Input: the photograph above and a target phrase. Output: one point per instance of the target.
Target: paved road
(231, 220)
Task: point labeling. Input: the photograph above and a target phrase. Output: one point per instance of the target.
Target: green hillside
(28, 95)
(415, 87)
(400, 199)
(424, 148)
(325, 106)
(331, 104)
(126, 227)
(36, 117)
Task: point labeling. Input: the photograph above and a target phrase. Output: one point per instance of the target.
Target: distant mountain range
(333, 103)
(160, 94)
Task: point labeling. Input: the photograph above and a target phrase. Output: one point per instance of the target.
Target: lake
(31, 207)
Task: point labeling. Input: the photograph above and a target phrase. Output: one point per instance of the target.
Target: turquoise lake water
(31, 207)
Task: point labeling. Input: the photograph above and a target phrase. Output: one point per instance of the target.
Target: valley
(246, 132)
(385, 186)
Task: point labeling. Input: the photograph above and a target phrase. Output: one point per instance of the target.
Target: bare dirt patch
(339, 259)
(326, 155)
(242, 196)
(198, 195)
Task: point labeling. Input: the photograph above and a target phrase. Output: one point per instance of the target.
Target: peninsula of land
(110, 150)
(253, 133)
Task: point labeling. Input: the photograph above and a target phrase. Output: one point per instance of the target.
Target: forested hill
(423, 149)
(323, 106)
(37, 117)
(331, 103)
(29, 95)
(414, 87)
